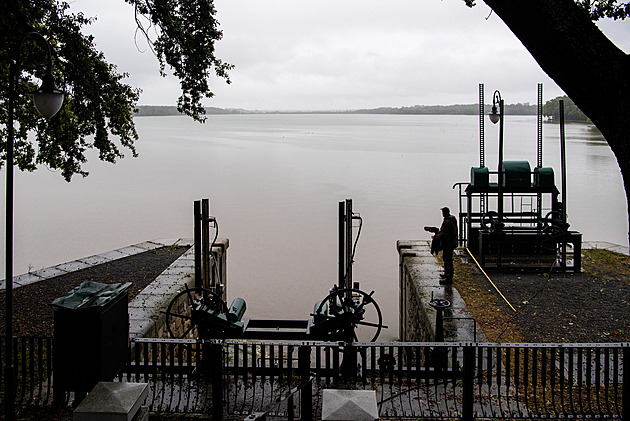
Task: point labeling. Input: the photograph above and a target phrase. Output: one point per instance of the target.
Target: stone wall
(147, 318)
(419, 283)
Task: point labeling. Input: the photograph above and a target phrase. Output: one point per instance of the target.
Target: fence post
(306, 394)
(625, 409)
(216, 358)
(468, 383)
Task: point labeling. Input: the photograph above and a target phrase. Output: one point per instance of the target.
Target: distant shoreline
(457, 109)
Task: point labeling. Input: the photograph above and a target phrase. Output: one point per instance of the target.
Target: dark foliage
(97, 112)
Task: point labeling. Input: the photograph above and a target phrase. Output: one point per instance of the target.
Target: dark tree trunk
(590, 69)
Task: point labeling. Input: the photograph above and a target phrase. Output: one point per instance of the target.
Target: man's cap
(446, 209)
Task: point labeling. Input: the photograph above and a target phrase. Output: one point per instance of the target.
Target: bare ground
(592, 306)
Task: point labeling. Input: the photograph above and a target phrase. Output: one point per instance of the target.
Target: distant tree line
(166, 110)
(457, 109)
(551, 109)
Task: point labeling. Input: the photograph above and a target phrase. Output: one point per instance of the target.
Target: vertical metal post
(482, 130)
(468, 383)
(564, 182)
(539, 149)
(500, 170)
(342, 254)
(348, 243)
(482, 147)
(216, 358)
(9, 376)
(205, 242)
(625, 409)
(197, 238)
(306, 394)
(439, 324)
(500, 186)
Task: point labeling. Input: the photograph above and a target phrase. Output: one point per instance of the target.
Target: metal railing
(32, 360)
(412, 380)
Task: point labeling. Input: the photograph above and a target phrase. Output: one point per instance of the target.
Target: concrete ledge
(85, 262)
(605, 245)
(147, 318)
(420, 281)
(145, 310)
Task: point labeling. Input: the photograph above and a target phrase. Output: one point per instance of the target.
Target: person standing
(447, 237)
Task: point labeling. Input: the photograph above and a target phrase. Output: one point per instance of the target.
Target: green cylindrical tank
(543, 177)
(237, 309)
(517, 174)
(479, 177)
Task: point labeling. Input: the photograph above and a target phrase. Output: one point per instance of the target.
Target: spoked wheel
(553, 231)
(490, 221)
(552, 237)
(181, 319)
(552, 218)
(348, 310)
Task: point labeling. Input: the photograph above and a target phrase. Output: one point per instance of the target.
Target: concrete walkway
(605, 245)
(146, 318)
(146, 310)
(86, 262)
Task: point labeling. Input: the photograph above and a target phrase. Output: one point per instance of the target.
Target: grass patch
(484, 303)
(571, 307)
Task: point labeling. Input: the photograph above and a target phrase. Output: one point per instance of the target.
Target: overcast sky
(343, 54)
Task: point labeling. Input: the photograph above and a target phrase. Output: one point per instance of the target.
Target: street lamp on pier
(47, 100)
(497, 117)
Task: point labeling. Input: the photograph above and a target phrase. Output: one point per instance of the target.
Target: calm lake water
(274, 183)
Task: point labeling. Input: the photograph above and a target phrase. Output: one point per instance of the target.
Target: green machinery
(203, 313)
(514, 219)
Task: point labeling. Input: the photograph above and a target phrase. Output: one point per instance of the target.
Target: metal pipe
(539, 148)
(564, 183)
(348, 280)
(342, 236)
(482, 131)
(205, 242)
(539, 138)
(500, 204)
(14, 74)
(500, 194)
(563, 160)
(197, 239)
(9, 394)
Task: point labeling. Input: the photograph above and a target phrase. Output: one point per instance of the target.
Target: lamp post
(47, 100)
(497, 117)
(494, 118)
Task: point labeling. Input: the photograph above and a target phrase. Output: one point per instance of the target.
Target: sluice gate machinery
(515, 219)
(202, 311)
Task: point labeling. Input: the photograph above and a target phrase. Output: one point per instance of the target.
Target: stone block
(341, 405)
(112, 401)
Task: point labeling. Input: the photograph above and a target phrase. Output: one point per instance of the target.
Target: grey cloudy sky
(331, 54)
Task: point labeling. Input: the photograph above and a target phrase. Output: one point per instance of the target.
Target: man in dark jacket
(447, 237)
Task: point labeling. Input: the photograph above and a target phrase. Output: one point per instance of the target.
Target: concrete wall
(146, 312)
(419, 282)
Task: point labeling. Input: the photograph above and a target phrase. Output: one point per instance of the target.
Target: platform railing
(413, 380)
(417, 380)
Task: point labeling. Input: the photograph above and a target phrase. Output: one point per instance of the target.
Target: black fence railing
(412, 380)
(32, 362)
